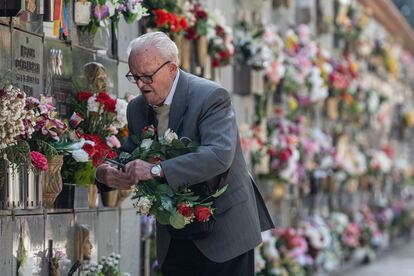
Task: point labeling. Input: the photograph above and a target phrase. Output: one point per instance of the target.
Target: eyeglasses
(147, 79)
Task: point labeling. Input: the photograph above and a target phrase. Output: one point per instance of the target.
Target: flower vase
(32, 189)
(184, 47)
(11, 186)
(52, 181)
(122, 195)
(365, 182)
(85, 38)
(352, 186)
(332, 186)
(278, 190)
(242, 84)
(201, 43)
(332, 108)
(92, 195)
(109, 199)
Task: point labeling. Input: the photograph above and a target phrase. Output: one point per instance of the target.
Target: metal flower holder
(20, 188)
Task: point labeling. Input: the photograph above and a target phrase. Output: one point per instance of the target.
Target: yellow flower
(292, 104)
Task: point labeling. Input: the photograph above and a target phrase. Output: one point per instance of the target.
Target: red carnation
(272, 152)
(39, 161)
(83, 96)
(185, 209)
(284, 155)
(183, 23)
(191, 33)
(161, 17)
(202, 213)
(107, 101)
(215, 63)
(90, 150)
(220, 31)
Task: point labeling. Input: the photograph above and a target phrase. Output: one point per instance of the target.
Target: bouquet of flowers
(30, 129)
(220, 41)
(197, 20)
(249, 44)
(94, 125)
(105, 10)
(175, 208)
(165, 16)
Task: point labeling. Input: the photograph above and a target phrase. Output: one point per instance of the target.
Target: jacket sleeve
(218, 140)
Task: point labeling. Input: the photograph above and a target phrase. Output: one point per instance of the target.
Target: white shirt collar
(170, 96)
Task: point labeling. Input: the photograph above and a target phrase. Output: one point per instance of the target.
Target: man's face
(145, 63)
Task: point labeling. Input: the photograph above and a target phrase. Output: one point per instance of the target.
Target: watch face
(156, 170)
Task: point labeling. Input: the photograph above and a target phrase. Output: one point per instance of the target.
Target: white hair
(158, 40)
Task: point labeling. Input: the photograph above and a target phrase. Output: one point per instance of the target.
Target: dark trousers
(184, 259)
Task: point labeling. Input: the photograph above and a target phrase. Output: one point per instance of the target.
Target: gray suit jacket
(202, 111)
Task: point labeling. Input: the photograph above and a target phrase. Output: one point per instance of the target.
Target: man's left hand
(139, 170)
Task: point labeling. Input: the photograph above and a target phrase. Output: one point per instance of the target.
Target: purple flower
(122, 7)
(101, 12)
(2, 92)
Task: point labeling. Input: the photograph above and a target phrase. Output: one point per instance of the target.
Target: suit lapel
(179, 103)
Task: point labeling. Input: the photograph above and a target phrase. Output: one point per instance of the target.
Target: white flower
(111, 7)
(121, 117)
(80, 155)
(169, 136)
(126, 274)
(143, 205)
(93, 105)
(146, 143)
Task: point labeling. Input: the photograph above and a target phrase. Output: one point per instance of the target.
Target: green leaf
(190, 198)
(177, 220)
(163, 189)
(177, 144)
(135, 140)
(166, 203)
(163, 217)
(220, 192)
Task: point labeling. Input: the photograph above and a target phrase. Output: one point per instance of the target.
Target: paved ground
(395, 263)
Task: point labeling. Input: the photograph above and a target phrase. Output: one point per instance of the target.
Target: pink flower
(39, 161)
(112, 141)
(75, 119)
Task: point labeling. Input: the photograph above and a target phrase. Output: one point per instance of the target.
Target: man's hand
(113, 178)
(138, 170)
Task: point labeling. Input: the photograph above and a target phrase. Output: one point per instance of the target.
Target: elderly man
(201, 110)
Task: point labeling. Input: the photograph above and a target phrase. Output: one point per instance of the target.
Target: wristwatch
(156, 171)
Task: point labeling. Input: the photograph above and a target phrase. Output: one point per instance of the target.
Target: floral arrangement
(94, 125)
(12, 115)
(273, 54)
(220, 41)
(105, 10)
(31, 132)
(350, 22)
(197, 20)
(107, 266)
(284, 150)
(307, 68)
(175, 208)
(249, 45)
(169, 22)
(165, 16)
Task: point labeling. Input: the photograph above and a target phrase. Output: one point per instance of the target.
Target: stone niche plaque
(27, 55)
(58, 67)
(5, 49)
